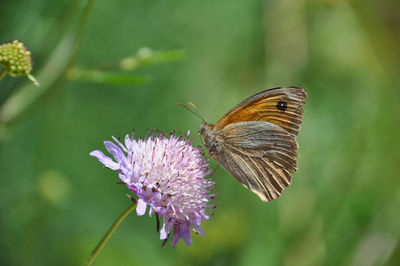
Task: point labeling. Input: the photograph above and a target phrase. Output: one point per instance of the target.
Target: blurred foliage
(342, 208)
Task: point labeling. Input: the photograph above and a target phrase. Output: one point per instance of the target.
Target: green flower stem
(3, 72)
(109, 233)
(34, 81)
(52, 75)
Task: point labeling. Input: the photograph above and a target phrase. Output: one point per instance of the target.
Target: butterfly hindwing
(260, 155)
(279, 106)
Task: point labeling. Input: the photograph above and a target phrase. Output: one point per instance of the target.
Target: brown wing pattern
(280, 106)
(262, 176)
(260, 155)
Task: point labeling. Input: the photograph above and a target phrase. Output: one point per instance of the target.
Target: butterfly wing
(279, 106)
(260, 155)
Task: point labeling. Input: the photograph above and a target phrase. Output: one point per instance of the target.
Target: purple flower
(168, 175)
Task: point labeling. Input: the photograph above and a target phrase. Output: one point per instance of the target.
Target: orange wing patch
(279, 106)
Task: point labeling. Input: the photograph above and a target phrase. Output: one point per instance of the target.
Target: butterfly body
(255, 141)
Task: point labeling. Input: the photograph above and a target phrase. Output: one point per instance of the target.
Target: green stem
(109, 233)
(3, 72)
(33, 79)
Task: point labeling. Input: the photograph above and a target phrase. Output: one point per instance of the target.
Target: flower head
(168, 175)
(16, 60)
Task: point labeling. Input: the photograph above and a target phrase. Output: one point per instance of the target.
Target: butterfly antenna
(196, 113)
(195, 136)
(215, 169)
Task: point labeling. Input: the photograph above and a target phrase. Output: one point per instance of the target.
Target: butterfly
(255, 141)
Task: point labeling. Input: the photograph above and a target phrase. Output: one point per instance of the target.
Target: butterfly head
(205, 128)
(212, 139)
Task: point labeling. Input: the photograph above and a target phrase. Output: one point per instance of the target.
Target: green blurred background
(342, 208)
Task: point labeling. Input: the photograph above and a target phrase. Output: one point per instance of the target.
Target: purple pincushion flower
(168, 175)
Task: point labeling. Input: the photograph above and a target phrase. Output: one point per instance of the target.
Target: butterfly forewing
(280, 106)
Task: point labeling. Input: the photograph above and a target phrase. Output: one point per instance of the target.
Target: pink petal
(163, 233)
(186, 233)
(115, 151)
(108, 162)
(177, 235)
(141, 207)
(198, 229)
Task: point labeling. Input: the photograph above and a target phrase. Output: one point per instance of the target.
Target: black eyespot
(281, 105)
